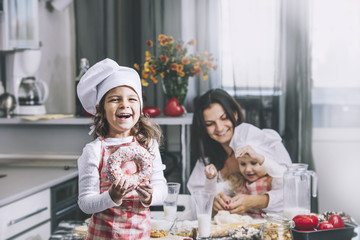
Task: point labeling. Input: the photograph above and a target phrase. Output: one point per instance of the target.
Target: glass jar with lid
(277, 227)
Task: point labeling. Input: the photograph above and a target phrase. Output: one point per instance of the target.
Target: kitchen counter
(22, 181)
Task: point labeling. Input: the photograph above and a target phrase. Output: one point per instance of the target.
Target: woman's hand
(248, 150)
(119, 189)
(221, 202)
(243, 202)
(145, 192)
(210, 171)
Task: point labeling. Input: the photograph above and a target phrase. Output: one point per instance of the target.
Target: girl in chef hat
(120, 210)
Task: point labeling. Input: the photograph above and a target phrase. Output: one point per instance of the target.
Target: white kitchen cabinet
(29, 217)
(41, 232)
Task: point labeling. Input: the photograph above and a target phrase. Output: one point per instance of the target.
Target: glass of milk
(204, 203)
(170, 203)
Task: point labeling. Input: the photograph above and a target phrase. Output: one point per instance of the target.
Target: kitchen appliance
(64, 205)
(32, 96)
(297, 189)
(21, 68)
(7, 103)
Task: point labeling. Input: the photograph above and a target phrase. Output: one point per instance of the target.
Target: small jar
(277, 228)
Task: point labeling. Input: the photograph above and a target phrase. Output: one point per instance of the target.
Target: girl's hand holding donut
(145, 192)
(210, 171)
(120, 188)
(248, 150)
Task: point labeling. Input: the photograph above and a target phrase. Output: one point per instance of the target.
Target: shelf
(161, 120)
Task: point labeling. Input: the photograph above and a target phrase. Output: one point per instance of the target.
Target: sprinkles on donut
(141, 157)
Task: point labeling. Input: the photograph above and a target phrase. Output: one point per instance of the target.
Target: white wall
(58, 67)
(337, 163)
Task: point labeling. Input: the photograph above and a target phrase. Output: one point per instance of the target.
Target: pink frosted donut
(141, 157)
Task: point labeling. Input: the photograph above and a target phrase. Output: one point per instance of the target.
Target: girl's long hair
(202, 146)
(144, 130)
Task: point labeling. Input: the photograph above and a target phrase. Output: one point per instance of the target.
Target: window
(249, 45)
(335, 35)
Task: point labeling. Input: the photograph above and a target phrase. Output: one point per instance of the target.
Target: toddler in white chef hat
(259, 173)
(112, 94)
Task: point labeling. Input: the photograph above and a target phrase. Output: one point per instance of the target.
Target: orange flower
(173, 66)
(149, 43)
(147, 55)
(185, 61)
(181, 74)
(171, 39)
(136, 66)
(164, 58)
(196, 71)
(164, 43)
(152, 70)
(146, 67)
(144, 74)
(173, 61)
(144, 83)
(153, 79)
(162, 37)
(179, 46)
(192, 42)
(179, 68)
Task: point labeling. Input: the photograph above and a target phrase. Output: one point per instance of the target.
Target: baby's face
(122, 111)
(250, 168)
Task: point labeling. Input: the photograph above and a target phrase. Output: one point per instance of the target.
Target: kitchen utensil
(7, 103)
(204, 203)
(170, 203)
(297, 189)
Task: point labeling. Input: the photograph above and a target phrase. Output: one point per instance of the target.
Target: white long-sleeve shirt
(266, 142)
(90, 200)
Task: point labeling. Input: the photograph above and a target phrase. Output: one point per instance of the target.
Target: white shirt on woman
(264, 141)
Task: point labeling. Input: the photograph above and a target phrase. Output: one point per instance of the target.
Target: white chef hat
(262, 141)
(102, 77)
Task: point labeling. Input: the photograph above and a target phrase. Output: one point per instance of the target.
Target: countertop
(22, 181)
(51, 119)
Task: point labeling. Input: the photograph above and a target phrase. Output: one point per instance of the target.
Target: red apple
(325, 225)
(151, 111)
(173, 108)
(336, 221)
(303, 222)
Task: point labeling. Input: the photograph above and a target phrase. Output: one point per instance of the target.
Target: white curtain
(335, 63)
(249, 42)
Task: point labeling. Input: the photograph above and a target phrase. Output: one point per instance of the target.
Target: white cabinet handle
(12, 222)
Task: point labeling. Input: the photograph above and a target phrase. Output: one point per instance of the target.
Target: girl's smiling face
(250, 168)
(218, 126)
(122, 111)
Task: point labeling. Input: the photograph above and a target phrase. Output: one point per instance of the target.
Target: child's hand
(248, 150)
(145, 192)
(119, 189)
(210, 171)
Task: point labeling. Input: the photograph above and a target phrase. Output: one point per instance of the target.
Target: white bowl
(161, 223)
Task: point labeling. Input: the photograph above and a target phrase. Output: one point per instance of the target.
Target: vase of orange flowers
(176, 87)
(174, 66)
